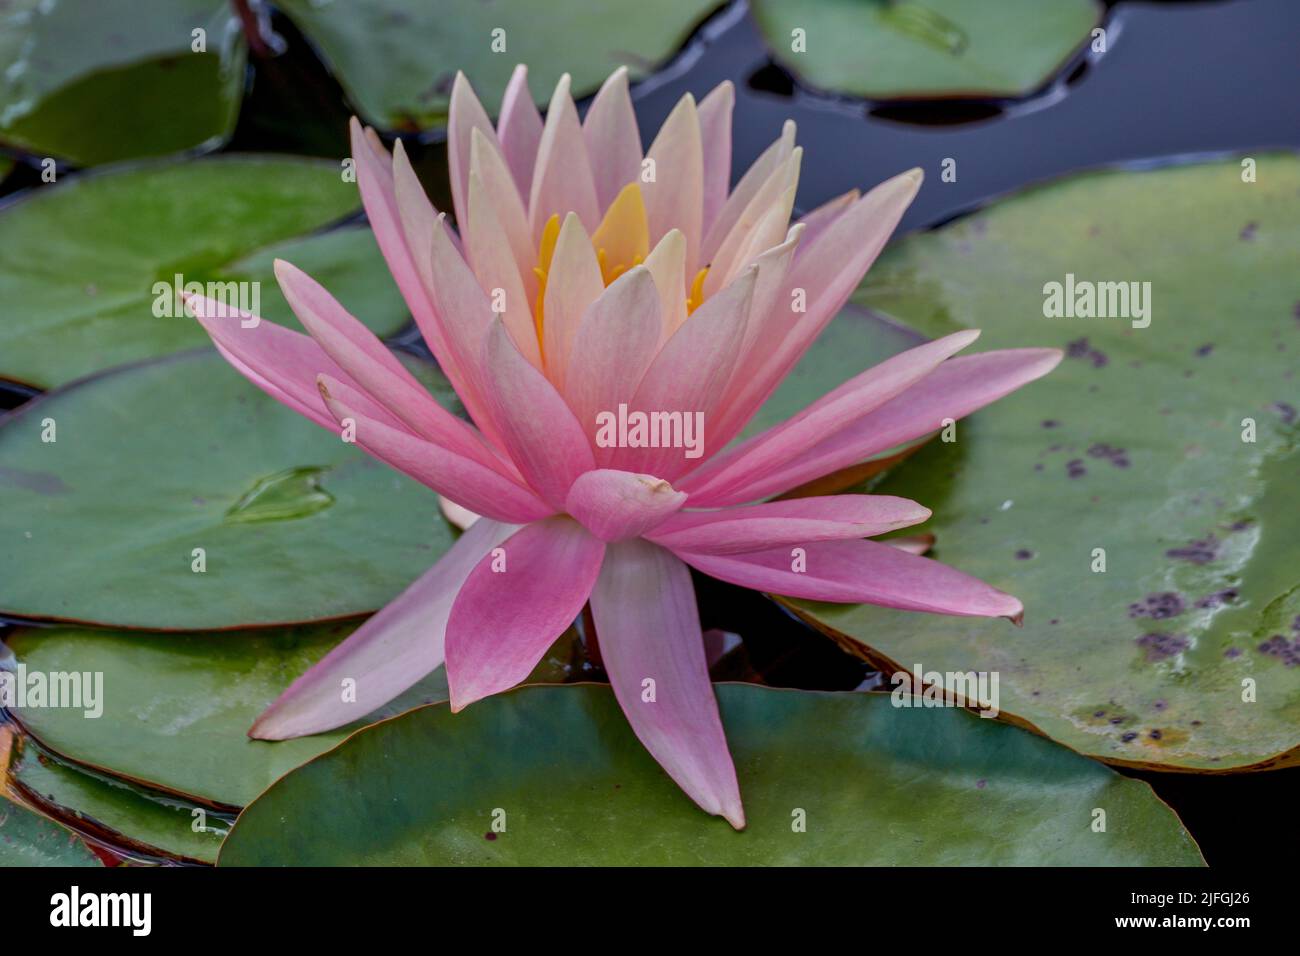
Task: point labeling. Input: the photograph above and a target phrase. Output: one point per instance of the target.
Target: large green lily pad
(95, 81)
(177, 707)
(79, 260)
(155, 461)
(126, 817)
(28, 839)
(826, 778)
(884, 49)
(1185, 652)
(396, 59)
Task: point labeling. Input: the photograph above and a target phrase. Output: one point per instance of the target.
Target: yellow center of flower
(621, 241)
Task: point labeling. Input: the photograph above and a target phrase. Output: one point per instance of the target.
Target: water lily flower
(591, 278)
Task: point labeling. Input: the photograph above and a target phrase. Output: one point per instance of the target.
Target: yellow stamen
(623, 238)
(696, 297)
(550, 235)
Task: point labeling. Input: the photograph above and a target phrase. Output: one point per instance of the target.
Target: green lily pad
(28, 839)
(1184, 654)
(177, 707)
(396, 59)
(883, 49)
(827, 779)
(80, 260)
(96, 81)
(152, 462)
(122, 815)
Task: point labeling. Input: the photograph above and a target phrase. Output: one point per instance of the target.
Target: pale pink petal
(457, 516)
(820, 219)
(562, 179)
(515, 603)
(541, 435)
(827, 273)
(465, 114)
(674, 198)
(792, 439)
(859, 572)
(956, 388)
(519, 129)
(689, 376)
(760, 226)
(376, 370)
(613, 140)
(461, 479)
(750, 183)
(614, 505)
(388, 654)
(616, 341)
(912, 543)
(398, 210)
(279, 361)
(795, 522)
(765, 319)
(667, 263)
(465, 315)
(497, 273)
(572, 284)
(498, 191)
(715, 135)
(650, 643)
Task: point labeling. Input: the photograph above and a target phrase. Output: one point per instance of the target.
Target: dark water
(1179, 80)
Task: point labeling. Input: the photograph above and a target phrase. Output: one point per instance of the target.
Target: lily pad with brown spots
(1168, 450)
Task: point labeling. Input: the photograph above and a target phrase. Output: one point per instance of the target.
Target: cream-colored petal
(675, 198)
(562, 179)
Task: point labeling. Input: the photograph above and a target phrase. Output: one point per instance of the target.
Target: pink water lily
(591, 281)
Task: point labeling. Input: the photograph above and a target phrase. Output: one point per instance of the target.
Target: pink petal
(498, 274)
(376, 370)
(651, 645)
(793, 438)
(820, 219)
(279, 361)
(461, 479)
(397, 212)
(515, 603)
(465, 316)
(498, 192)
(615, 343)
(750, 183)
(760, 226)
(667, 263)
(573, 283)
(562, 179)
(689, 376)
(853, 572)
(828, 271)
(798, 521)
(956, 388)
(388, 654)
(715, 135)
(613, 140)
(675, 199)
(614, 505)
(541, 435)
(465, 114)
(519, 129)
